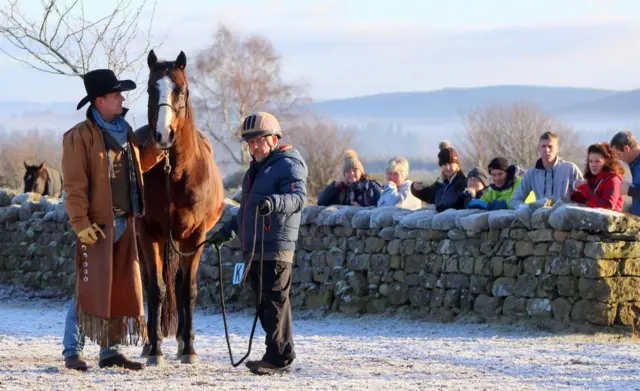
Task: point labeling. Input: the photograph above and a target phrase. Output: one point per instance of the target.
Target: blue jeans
(73, 340)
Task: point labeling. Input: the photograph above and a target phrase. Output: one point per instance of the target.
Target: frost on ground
(334, 352)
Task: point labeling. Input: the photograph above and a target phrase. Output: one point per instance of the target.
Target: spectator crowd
(500, 185)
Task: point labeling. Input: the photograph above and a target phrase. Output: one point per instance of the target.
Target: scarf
(118, 124)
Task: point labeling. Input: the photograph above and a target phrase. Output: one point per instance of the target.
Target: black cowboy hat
(101, 82)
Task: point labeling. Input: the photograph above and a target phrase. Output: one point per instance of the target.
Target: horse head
(168, 98)
(35, 178)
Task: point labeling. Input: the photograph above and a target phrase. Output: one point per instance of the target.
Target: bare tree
(234, 77)
(513, 132)
(322, 144)
(63, 41)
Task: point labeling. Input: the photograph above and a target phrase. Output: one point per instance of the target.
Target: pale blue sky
(352, 47)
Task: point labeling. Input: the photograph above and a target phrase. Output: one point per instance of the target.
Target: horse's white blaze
(165, 113)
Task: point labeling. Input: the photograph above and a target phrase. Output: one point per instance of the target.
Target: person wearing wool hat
(448, 191)
(477, 182)
(397, 190)
(505, 182)
(353, 186)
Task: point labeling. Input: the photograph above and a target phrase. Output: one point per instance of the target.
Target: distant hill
(450, 102)
(402, 123)
(627, 102)
(444, 103)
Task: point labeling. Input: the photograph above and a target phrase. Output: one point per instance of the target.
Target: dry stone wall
(563, 263)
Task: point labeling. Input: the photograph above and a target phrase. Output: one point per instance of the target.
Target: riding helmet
(260, 124)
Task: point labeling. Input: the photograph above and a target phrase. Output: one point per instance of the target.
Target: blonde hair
(399, 165)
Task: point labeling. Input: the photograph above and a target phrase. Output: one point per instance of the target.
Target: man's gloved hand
(265, 207)
(477, 204)
(219, 238)
(89, 235)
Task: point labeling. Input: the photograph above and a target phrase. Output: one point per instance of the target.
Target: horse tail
(170, 270)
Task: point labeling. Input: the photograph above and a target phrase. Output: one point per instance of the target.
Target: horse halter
(183, 97)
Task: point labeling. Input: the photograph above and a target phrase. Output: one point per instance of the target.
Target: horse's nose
(172, 136)
(158, 137)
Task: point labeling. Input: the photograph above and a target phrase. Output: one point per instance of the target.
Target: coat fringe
(118, 330)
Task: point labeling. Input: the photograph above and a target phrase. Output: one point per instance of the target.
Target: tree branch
(64, 42)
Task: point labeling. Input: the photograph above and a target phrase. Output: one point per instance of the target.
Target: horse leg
(180, 309)
(155, 297)
(144, 273)
(189, 291)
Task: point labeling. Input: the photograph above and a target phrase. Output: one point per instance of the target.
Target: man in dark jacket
(274, 188)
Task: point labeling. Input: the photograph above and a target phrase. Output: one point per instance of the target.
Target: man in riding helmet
(274, 191)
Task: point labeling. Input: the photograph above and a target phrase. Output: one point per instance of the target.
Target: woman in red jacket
(603, 175)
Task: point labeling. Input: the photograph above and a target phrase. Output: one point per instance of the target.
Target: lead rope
(258, 294)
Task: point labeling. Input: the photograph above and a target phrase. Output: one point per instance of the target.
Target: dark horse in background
(193, 201)
(43, 180)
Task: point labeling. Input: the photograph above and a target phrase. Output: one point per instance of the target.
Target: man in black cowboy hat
(102, 163)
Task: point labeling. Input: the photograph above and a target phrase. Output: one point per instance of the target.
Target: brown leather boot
(76, 362)
(122, 362)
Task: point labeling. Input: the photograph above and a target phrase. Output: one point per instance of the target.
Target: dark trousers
(275, 310)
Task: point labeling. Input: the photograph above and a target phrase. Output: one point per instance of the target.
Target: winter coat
(500, 197)
(444, 195)
(555, 183)
(634, 190)
(54, 182)
(600, 191)
(366, 192)
(399, 196)
(282, 179)
(108, 283)
(468, 197)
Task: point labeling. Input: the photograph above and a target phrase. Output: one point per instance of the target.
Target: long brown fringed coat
(108, 283)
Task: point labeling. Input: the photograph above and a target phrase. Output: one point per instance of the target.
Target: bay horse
(42, 179)
(184, 198)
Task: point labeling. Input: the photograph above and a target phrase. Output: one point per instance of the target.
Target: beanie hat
(351, 161)
(447, 154)
(444, 144)
(399, 165)
(498, 163)
(479, 173)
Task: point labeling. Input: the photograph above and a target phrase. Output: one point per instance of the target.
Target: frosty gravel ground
(334, 352)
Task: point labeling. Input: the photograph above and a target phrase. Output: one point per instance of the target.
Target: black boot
(266, 368)
(76, 362)
(122, 362)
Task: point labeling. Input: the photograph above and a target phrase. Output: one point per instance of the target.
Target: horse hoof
(155, 360)
(180, 350)
(189, 359)
(145, 351)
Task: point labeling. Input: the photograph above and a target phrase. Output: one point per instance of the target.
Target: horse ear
(42, 166)
(181, 61)
(152, 59)
(25, 164)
